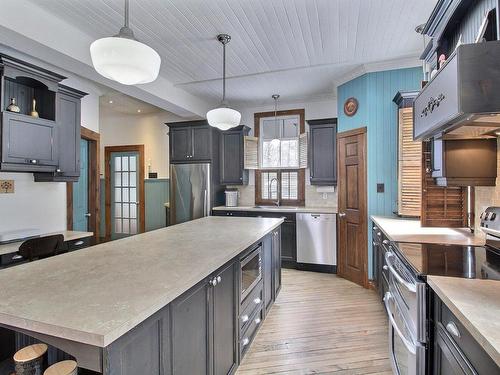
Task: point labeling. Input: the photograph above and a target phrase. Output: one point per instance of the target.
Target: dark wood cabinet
(68, 110)
(193, 141)
(48, 143)
(190, 332)
(225, 326)
(455, 351)
(232, 156)
(323, 151)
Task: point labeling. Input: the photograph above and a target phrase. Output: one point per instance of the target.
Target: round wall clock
(351, 106)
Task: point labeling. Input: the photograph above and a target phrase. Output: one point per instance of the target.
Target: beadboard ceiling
(298, 48)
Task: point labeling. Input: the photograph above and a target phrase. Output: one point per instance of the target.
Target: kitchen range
(416, 336)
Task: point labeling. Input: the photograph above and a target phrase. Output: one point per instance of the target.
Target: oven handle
(411, 287)
(409, 345)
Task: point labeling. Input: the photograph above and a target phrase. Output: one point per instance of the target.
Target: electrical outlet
(6, 186)
(380, 188)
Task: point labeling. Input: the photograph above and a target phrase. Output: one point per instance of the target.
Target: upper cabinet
(233, 155)
(323, 152)
(193, 141)
(39, 131)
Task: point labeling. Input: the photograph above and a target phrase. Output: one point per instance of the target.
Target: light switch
(6, 186)
(380, 188)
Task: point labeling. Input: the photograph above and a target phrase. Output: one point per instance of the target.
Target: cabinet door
(323, 154)
(277, 256)
(29, 142)
(180, 144)
(289, 243)
(447, 360)
(68, 121)
(190, 324)
(201, 143)
(225, 303)
(232, 158)
(268, 267)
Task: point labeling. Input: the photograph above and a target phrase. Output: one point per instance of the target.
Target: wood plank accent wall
(441, 206)
(409, 167)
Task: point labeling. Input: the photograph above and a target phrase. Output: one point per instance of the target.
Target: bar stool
(62, 368)
(30, 360)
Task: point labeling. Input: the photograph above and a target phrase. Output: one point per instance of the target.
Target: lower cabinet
(277, 259)
(455, 351)
(204, 322)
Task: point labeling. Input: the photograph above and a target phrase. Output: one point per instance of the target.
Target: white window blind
(251, 152)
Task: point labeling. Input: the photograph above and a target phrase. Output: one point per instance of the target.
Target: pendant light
(124, 59)
(223, 117)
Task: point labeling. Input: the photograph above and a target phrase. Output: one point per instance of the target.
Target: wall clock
(351, 106)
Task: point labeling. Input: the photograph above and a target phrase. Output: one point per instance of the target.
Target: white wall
(313, 110)
(118, 129)
(42, 205)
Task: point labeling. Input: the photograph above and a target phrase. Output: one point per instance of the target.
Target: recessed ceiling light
(138, 111)
(110, 102)
(497, 132)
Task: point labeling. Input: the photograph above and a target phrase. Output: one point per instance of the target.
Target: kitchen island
(153, 303)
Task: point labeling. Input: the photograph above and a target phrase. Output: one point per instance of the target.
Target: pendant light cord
(126, 12)
(223, 72)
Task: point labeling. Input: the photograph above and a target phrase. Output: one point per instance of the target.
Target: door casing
(107, 167)
(94, 186)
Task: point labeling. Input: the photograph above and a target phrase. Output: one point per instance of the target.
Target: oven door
(251, 271)
(409, 293)
(406, 353)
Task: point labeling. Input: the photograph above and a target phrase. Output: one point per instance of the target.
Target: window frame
(301, 172)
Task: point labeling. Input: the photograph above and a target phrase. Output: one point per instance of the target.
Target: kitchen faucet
(277, 202)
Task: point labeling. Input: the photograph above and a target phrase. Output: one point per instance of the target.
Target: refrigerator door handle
(205, 203)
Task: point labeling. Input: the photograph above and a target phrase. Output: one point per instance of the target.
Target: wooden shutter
(410, 167)
(441, 206)
(251, 152)
(303, 146)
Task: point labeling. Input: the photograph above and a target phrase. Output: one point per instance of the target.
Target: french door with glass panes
(124, 194)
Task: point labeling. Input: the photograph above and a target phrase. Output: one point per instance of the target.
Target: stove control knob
(481, 216)
(486, 216)
(493, 216)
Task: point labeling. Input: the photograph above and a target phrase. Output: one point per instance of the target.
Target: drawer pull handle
(453, 329)
(385, 242)
(374, 228)
(17, 257)
(79, 243)
(257, 300)
(379, 234)
(385, 267)
(219, 279)
(257, 321)
(245, 341)
(244, 318)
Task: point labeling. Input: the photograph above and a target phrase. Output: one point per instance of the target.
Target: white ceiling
(116, 101)
(298, 48)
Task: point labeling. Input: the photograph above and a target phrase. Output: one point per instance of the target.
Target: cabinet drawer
(78, 244)
(11, 259)
(458, 334)
(251, 304)
(249, 333)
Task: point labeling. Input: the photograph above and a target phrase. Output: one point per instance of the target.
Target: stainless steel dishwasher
(317, 239)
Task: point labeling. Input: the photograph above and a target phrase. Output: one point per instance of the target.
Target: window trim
(301, 172)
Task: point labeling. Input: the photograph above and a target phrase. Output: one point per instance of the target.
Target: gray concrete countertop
(476, 303)
(290, 209)
(410, 230)
(97, 294)
(69, 235)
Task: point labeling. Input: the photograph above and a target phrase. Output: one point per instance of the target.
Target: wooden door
(352, 247)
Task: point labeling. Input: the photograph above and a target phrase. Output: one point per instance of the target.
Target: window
(279, 177)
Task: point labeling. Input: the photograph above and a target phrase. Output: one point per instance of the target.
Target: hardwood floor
(321, 324)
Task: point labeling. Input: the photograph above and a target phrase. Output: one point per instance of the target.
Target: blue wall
(378, 113)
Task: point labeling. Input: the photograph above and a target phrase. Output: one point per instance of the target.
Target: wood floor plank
(320, 324)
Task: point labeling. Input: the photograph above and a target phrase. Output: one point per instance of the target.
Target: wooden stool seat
(62, 368)
(30, 359)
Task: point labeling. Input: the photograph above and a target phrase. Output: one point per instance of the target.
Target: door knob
(88, 214)
(341, 214)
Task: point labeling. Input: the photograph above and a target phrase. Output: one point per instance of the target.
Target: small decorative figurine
(33, 112)
(13, 107)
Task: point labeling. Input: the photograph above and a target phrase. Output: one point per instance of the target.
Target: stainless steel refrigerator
(193, 191)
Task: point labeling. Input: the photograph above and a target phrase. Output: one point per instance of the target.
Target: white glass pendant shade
(125, 60)
(223, 118)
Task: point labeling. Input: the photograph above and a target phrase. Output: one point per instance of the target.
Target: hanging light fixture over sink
(223, 117)
(123, 58)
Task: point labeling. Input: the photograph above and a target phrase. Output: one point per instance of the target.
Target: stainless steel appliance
(251, 271)
(317, 239)
(190, 192)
